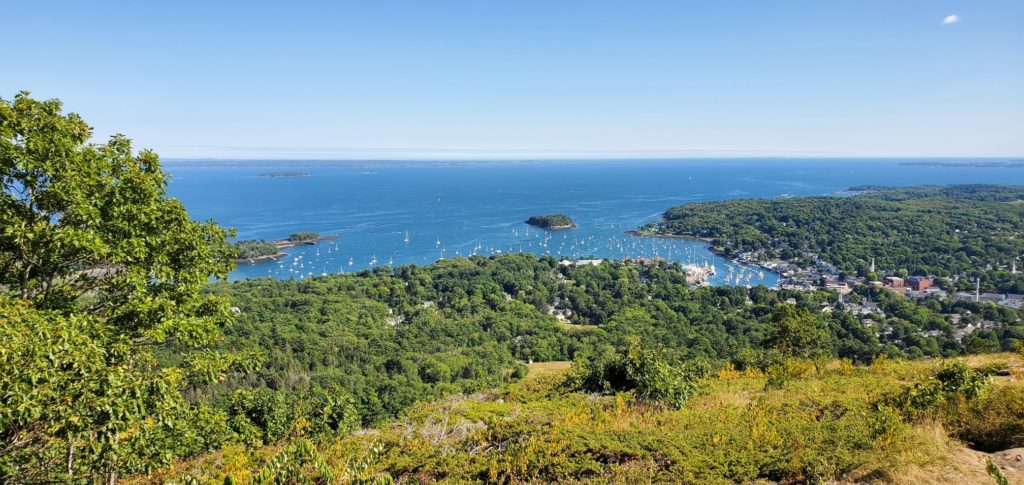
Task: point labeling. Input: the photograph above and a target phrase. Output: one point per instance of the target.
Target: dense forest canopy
(936, 230)
(393, 337)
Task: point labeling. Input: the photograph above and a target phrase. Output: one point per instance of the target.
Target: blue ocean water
(458, 209)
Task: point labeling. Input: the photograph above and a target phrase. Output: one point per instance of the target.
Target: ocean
(451, 209)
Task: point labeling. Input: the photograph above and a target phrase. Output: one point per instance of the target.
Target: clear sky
(530, 79)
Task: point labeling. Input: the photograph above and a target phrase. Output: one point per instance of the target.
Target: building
(920, 283)
(841, 288)
(582, 262)
(1013, 301)
(928, 292)
(866, 308)
(894, 282)
(992, 297)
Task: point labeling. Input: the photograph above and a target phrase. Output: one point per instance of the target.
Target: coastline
(661, 235)
(707, 246)
(287, 243)
(282, 244)
(555, 228)
(258, 259)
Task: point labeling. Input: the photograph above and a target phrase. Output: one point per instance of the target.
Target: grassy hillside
(838, 423)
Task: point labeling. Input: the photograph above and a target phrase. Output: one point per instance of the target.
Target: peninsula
(551, 222)
(252, 251)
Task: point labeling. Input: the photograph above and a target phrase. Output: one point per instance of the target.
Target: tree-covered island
(551, 222)
(304, 237)
(252, 250)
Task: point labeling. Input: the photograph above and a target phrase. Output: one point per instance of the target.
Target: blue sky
(525, 79)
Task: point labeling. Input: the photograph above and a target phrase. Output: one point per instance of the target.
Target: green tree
(97, 267)
(797, 333)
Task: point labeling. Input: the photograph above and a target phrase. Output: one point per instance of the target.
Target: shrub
(992, 423)
(949, 385)
(787, 370)
(646, 372)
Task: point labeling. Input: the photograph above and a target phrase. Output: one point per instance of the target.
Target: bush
(263, 415)
(992, 423)
(949, 385)
(787, 370)
(646, 372)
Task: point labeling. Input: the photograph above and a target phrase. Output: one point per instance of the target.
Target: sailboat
(406, 240)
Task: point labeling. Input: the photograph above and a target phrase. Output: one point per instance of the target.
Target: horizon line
(443, 159)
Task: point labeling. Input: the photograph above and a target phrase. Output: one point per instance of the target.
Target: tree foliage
(303, 236)
(97, 267)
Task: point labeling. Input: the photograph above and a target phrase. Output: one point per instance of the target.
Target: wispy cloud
(951, 19)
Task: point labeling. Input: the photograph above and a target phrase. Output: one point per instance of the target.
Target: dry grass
(575, 327)
(542, 369)
(961, 465)
(735, 430)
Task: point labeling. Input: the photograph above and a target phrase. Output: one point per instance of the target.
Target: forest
(973, 230)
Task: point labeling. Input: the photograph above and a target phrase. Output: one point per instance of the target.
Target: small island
(551, 222)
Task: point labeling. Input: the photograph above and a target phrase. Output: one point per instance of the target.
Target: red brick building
(919, 283)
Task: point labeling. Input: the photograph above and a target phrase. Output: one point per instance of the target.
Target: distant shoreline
(661, 235)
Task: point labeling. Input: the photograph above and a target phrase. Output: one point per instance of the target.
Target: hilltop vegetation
(917, 230)
(838, 422)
